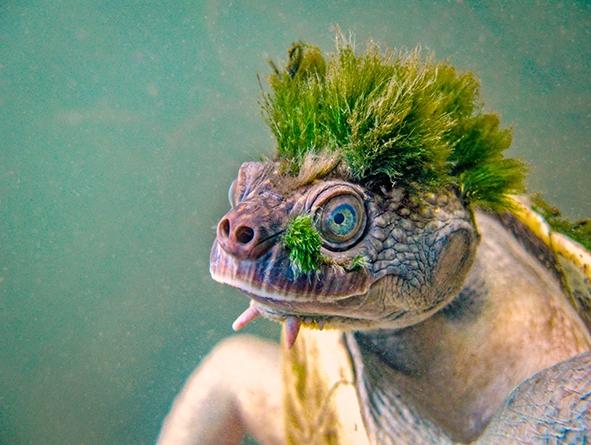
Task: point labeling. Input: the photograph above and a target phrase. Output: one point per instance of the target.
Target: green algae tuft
(393, 118)
(303, 242)
(357, 262)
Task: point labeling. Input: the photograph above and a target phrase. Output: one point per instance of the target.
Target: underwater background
(122, 125)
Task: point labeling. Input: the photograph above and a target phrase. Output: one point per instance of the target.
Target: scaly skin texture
(456, 368)
(449, 312)
(551, 407)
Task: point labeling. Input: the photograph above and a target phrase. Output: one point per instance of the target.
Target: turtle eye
(341, 221)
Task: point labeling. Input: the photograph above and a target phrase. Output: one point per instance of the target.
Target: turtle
(425, 297)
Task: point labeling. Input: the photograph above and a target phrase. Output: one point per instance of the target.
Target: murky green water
(121, 128)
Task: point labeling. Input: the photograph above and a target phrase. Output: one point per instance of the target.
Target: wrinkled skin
(421, 254)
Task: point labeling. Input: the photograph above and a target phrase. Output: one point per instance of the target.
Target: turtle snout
(240, 235)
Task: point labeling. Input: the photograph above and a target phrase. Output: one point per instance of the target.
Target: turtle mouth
(294, 315)
(272, 276)
(283, 312)
(316, 301)
(279, 310)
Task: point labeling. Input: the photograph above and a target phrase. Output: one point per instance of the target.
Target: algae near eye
(303, 242)
(393, 118)
(358, 262)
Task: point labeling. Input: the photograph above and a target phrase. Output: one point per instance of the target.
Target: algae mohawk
(391, 119)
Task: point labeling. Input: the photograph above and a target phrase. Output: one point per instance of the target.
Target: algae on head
(393, 119)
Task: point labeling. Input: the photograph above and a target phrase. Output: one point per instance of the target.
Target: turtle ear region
(455, 252)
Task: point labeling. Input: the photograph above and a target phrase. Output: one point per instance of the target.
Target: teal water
(121, 127)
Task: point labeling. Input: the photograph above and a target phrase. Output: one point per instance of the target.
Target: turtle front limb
(236, 390)
(553, 406)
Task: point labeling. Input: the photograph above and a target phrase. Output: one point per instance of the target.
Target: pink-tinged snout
(240, 235)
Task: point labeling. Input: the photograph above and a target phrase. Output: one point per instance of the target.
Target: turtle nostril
(244, 234)
(225, 227)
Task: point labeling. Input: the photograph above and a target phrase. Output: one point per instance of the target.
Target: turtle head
(327, 251)
(364, 218)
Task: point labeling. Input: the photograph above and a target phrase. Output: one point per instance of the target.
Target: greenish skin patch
(580, 231)
(302, 240)
(393, 119)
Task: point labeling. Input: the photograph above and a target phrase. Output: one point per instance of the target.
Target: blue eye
(340, 219)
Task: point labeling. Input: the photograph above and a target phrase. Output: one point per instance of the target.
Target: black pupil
(339, 218)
